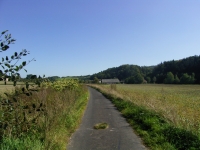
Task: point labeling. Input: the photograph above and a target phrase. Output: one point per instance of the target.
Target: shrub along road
(117, 136)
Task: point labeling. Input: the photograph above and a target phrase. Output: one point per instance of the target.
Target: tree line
(183, 71)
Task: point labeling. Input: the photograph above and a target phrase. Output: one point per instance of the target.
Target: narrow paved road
(119, 135)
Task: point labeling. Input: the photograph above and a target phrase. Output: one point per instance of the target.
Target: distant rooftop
(110, 81)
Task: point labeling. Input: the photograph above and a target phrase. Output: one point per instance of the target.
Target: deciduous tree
(169, 78)
(10, 64)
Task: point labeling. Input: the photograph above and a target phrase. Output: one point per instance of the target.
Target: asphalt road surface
(118, 136)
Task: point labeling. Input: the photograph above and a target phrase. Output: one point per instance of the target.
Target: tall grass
(178, 103)
(41, 119)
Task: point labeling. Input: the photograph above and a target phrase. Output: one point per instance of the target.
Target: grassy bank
(158, 130)
(43, 120)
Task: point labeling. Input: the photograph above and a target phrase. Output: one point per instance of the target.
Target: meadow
(9, 86)
(178, 105)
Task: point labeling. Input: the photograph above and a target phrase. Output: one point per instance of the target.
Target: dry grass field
(9, 86)
(6, 88)
(180, 104)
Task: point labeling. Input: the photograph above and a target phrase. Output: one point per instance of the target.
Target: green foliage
(34, 114)
(122, 72)
(30, 117)
(15, 110)
(130, 80)
(61, 84)
(136, 79)
(187, 65)
(181, 138)
(158, 73)
(148, 79)
(28, 76)
(30, 143)
(187, 79)
(169, 78)
(154, 79)
(176, 80)
(54, 78)
(96, 80)
(9, 64)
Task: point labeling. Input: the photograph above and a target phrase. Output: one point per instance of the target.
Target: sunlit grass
(9, 86)
(11, 83)
(6, 88)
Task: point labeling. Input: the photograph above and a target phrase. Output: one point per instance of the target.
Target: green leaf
(27, 94)
(13, 40)
(20, 67)
(24, 63)
(23, 89)
(2, 44)
(7, 58)
(25, 70)
(15, 53)
(14, 99)
(5, 47)
(2, 59)
(25, 107)
(12, 57)
(7, 65)
(4, 32)
(34, 106)
(3, 67)
(13, 78)
(16, 69)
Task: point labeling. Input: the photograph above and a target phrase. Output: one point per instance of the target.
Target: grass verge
(156, 132)
(52, 128)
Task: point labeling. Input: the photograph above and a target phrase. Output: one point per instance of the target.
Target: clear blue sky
(81, 37)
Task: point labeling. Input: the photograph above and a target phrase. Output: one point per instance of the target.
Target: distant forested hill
(125, 73)
(184, 71)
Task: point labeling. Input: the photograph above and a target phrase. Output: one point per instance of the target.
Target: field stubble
(9, 86)
(179, 104)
